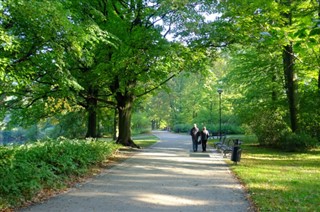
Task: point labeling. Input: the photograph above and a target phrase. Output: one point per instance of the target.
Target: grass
(145, 140)
(279, 181)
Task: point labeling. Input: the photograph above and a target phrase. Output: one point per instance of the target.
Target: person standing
(204, 138)
(194, 132)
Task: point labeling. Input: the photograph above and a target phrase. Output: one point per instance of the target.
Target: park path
(165, 177)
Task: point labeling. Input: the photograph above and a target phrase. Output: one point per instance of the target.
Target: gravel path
(165, 177)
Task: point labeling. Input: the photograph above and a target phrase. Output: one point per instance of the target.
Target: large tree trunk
(92, 104)
(125, 111)
(289, 73)
(291, 85)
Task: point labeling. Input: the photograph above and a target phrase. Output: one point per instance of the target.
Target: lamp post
(220, 91)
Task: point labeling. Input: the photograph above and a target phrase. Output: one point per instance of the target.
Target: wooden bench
(221, 142)
(226, 146)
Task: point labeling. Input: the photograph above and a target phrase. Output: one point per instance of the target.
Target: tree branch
(156, 87)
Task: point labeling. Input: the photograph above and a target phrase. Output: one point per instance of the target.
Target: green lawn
(279, 181)
(145, 140)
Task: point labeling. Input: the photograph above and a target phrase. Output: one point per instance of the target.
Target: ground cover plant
(27, 171)
(277, 180)
(36, 170)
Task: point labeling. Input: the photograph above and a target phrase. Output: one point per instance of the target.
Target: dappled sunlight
(160, 179)
(158, 154)
(168, 200)
(96, 194)
(167, 149)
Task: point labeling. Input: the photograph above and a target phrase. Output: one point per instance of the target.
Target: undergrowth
(29, 169)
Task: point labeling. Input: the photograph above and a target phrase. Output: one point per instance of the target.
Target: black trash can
(236, 151)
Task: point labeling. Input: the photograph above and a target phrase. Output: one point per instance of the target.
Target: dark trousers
(204, 145)
(195, 143)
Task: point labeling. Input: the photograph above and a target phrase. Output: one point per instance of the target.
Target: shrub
(293, 142)
(269, 128)
(27, 169)
(182, 128)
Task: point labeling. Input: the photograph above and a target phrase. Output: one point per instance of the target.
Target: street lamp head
(219, 90)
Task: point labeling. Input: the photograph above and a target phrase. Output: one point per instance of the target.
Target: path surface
(164, 177)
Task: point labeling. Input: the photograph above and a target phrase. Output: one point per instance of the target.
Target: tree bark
(291, 85)
(124, 120)
(289, 73)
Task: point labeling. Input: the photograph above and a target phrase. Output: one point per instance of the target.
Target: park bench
(226, 146)
(221, 142)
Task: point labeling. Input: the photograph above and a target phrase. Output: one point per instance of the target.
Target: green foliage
(27, 169)
(86, 55)
(32, 133)
(256, 32)
(90, 55)
(70, 125)
(268, 127)
(310, 110)
(182, 128)
(230, 129)
(294, 142)
(140, 123)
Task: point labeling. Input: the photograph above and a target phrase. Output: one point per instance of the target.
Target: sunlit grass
(279, 181)
(142, 140)
(145, 140)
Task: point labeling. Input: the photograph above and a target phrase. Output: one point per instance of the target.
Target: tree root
(129, 143)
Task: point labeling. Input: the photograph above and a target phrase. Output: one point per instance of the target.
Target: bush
(230, 129)
(182, 128)
(269, 127)
(293, 142)
(27, 169)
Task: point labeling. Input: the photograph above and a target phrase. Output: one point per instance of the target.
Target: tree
(69, 63)
(289, 69)
(40, 79)
(270, 25)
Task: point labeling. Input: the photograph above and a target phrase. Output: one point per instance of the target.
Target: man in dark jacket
(194, 132)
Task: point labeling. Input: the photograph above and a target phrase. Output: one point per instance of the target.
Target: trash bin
(236, 151)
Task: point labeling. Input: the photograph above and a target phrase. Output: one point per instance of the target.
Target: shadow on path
(165, 177)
